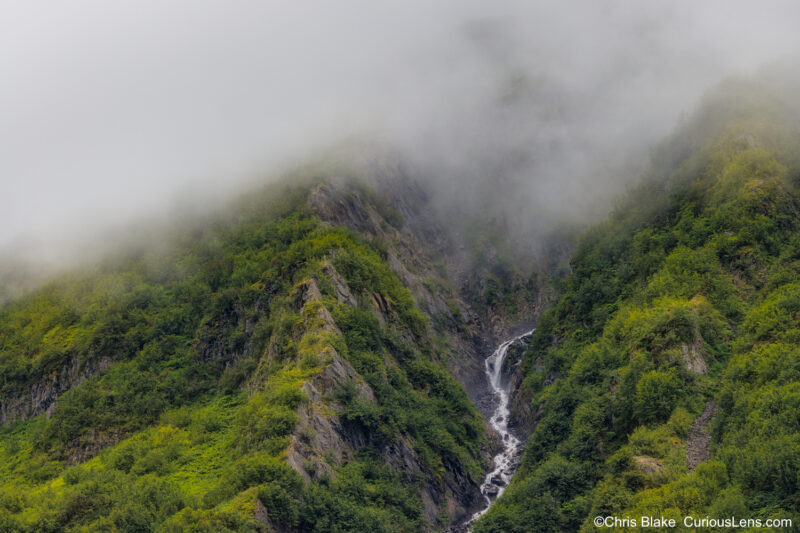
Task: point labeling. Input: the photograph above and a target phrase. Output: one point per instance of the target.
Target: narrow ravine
(505, 462)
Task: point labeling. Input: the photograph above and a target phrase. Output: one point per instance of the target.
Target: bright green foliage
(196, 357)
(689, 292)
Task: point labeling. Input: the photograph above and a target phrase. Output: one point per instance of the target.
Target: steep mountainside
(665, 381)
(311, 358)
(283, 366)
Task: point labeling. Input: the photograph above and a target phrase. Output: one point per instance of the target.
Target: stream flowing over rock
(505, 462)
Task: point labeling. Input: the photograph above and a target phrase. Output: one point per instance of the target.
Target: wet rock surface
(506, 461)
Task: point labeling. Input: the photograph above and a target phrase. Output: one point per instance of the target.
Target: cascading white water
(505, 462)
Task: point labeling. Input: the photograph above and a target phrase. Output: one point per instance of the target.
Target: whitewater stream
(506, 461)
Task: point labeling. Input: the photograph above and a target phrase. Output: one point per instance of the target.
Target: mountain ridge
(311, 358)
(287, 335)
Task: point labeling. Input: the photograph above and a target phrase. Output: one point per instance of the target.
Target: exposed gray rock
(343, 293)
(41, 397)
(692, 355)
(87, 446)
(698, 443)
(648, 465)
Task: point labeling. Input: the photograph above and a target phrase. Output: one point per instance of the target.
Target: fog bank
(116, 112)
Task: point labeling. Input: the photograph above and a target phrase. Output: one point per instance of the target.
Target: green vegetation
(196, 383)
(690, 292)
(183, 372)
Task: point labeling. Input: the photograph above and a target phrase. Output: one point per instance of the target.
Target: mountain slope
(311, 358)
(664, 380)
(282, 366)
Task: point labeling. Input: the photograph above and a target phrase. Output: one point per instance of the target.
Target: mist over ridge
(544, 110)
(450, 267)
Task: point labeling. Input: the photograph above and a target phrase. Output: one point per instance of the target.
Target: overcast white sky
(115, 110)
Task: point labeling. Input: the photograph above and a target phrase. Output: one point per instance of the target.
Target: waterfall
(505, 462)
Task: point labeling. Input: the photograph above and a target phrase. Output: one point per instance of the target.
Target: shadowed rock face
(42, 396)
(522, 418)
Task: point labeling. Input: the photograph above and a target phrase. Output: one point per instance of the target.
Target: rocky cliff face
(322, 440)
(41, 397)
(408, 239)
(412, 238)
(445, 290)
(436, 265)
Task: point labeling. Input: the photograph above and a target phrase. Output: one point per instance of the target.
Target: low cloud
(116, 112)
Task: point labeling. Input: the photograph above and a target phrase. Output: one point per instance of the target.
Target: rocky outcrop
(262, 515)
(522, 418)
(415, 237)
(648, 465)
(87, 446)
(320, 440)
(692, 356)
(442, 291)
(41, 397)
(455, 493)
(324, 439)
(343, 293)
